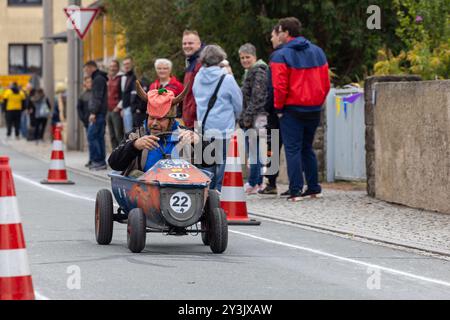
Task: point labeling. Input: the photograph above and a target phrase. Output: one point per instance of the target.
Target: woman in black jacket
(40, 113)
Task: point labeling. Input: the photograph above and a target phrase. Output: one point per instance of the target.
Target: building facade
(21, 38)
(21, 29)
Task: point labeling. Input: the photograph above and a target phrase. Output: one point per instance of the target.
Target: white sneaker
(249, 190)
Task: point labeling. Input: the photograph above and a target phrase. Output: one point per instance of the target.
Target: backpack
(42, 109)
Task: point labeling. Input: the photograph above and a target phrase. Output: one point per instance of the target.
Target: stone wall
(320, 148)
(370, 94)
(411, 139)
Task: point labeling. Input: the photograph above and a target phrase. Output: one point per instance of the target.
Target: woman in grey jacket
(254, 89)
(221, 121)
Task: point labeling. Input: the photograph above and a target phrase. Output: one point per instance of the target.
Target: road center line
(280, 243)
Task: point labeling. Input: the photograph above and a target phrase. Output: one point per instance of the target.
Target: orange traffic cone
(233, 195)
(15, 275)
(57, 173)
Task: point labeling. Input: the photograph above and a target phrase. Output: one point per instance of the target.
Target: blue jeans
(298, 137)
(87, 135)
(96, 139)
(24, 122)
(255, 177)
(127, 120)
(218, 169)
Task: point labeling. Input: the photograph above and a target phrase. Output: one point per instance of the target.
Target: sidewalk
(351, 213)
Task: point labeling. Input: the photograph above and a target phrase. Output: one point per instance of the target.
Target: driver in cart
(161, 135)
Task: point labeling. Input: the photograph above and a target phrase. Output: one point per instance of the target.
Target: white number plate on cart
(180, 202)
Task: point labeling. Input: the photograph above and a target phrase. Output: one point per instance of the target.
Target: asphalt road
(273, 261)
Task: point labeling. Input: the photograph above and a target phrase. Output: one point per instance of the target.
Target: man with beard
(146, 145)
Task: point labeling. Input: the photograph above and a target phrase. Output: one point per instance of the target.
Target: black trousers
(13, 120)
(138, 119)
(273, 178)
(40, 124)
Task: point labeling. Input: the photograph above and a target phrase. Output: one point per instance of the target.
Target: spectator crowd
(282, 95)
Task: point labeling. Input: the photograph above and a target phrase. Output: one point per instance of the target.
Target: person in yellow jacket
(2, 91)
(13, 99)
(2, 106)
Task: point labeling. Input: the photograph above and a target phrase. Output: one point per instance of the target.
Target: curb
(87, 174)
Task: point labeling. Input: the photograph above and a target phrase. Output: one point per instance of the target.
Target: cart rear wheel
(218, 231)
(104, 217)
(212, 203)
(136, 231)
(205, 235)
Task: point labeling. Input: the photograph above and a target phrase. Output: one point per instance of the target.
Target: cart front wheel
(212, 203)
(136, 231)
(205, 235)
(218, 233)
(104, 217)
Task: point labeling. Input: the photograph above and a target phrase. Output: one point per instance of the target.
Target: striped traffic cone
(57, 173)
(15, 275)
(233, 200)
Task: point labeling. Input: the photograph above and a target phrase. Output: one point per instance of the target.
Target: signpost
(79, 20)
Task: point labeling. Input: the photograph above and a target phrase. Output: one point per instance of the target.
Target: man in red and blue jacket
(301, 83)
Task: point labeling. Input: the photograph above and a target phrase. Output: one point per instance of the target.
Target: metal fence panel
(345, 138)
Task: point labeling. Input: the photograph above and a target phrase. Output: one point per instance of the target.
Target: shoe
(295, 198)
(285, 194)
(98, 167)
(312, 194)
(88, 165)
(249, 190)
(268, 190)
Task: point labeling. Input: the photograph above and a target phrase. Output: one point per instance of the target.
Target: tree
(424, 29)
(338, 26)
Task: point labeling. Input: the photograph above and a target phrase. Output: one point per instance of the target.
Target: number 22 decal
(180, 202)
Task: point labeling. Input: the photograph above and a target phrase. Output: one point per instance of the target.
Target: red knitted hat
(159, 103)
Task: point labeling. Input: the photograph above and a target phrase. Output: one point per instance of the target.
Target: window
(12, 3)
(25, 59)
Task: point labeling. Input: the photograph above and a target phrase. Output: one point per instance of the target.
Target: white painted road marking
(36, 184)
(361, 263)
(284, 244)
